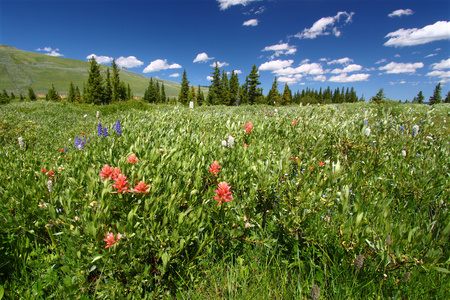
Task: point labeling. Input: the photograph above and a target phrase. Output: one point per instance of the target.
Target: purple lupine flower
(105, 132)
(99, 129)
(79, 144)
(118, 127)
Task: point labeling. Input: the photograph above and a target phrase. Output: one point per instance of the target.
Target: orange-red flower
(294, 122)
(44, 171)
(132, 159)
(111, 239)
(107, 172)
(141, 187)
(215, 168)
(121, 184)
(321, 164)
(245, 145)
(248, 127)
(223, 193)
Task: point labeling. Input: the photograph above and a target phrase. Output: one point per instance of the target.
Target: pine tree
(200, 96)
(129, 93)
(353, 98)
(193, 94)
(273, 97)
(436, 98)
(108, 97)
(94, 86)
(225, 89)
(5, 94)
(447, 98)
(244, 92)
(287, 95)
(71, 95)
(163, 94)
(31, 94)
(184, 91)
(234, 88)
(253, 92)
(215, 88)
(379, 96)
(117, 93)
(52, 94)
(420, 97)
(78, 97)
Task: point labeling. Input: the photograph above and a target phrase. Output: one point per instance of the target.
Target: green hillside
(22, 69)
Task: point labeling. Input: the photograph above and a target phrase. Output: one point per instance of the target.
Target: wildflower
(97, 115)
(367, 131)
(111, 239)
(223, 193)
(82, 132)
(321, 164)
(248, 127)
(294, 122)
(99, 129)
(65, 149)
(365, 122)
(50, 173)
(311, 168)
(359, 262)
(79, 144)
(315, 292)
(141, 187)
(215, 168)
(118, 127)
(85, 116)
(21, 144)
(245, 145)
(121, 184)
(401, 128)
(132, 159)
(388, 240)
(61, 150)
(403, 153)
(191, 104)
(107, 172)
(230, 141)
(415, 131)
(224, 143)
(105, 132)
(50, 186)
(44, 171)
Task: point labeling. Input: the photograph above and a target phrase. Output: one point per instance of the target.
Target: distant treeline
(222, 91)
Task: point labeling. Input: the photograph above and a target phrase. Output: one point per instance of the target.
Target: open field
(328, 202)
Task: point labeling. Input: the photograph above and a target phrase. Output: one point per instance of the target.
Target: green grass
(22, 69)
(293, 223)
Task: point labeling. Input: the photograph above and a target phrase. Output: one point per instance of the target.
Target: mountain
(20, 70)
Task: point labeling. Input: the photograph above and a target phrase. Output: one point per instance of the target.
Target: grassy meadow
(327, 201)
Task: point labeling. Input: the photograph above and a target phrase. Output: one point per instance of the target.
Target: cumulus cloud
(50, 51)
(415, 36)
(288, 79)
(160, 64)
(128, 62)
(400, 12)
(303, 69)
(275, 65)
(444, 64)
(352, 78)
(225, 4)
(397, 68)
(237, 71)
(251, 22)
(46, 49)
(280, 49)
(326, 26)
(210, 78)
(444, 76)
(202, 58)
(101, 59)
(342, 61)
(348, 69)
(219, 64)
(175, 75)
(320, 78)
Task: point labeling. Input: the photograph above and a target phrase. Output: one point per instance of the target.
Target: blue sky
(401, 46)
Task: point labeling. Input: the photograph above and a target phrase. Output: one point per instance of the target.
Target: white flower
(415, 131)
(85, 116)
(191, 104)
(367, 131)
(224, 143)
(403, 153)
(21, 144)
(230, 141)
(50, 186)
(98, 114)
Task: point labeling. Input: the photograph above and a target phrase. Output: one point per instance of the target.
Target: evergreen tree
(420, 97)
(436, 98)
(94, 86)
(225, 89)
(352, 97)
(163, 94)
(253, 92)
(184, 91)
(379, 96)
(447, 98)
(108, 97)
(273, 97)
(118, 92)
(78, 97)
(234, 88)
(193, 94)
(71, 95)
(31, 94)
(200, 96)
(52, 94)
(21, 98)
(287, 95)
(129, 93)
(5, 94)
(150, 94)
(215, 88)
(244, 92)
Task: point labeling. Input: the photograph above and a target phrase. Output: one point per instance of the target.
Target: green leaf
(97, 258)
(439, 269)
(2, 292)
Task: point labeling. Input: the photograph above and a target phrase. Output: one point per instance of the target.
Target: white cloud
(304, 61)
(210, 78)
(443, 75)
(128, 62)
(352, 78)
(431, 55)
(383, 60)
(444, 64)
(251, 22)
(414, 36)
(101, 59)
(287, 79)
(160, 64)
(175, 75)
(397, 68)
(224, 4)
(348, 69)
(397, 55)
(202, 58)
(275, 65)
(54, 53)
(46, 49)
(343, 61)
(237, 71)
(219, 64)
(401, 12)
(325, 26)
(305, 69)
(320, 78)
(279, 49)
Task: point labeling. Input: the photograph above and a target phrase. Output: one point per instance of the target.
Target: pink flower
(107, 172)
(248, 127)
(132, 159)
(294, 122)
(245, 145)
(141, 187)
(223, 193)
(111, 240)
(121, 184)
(215, 168)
